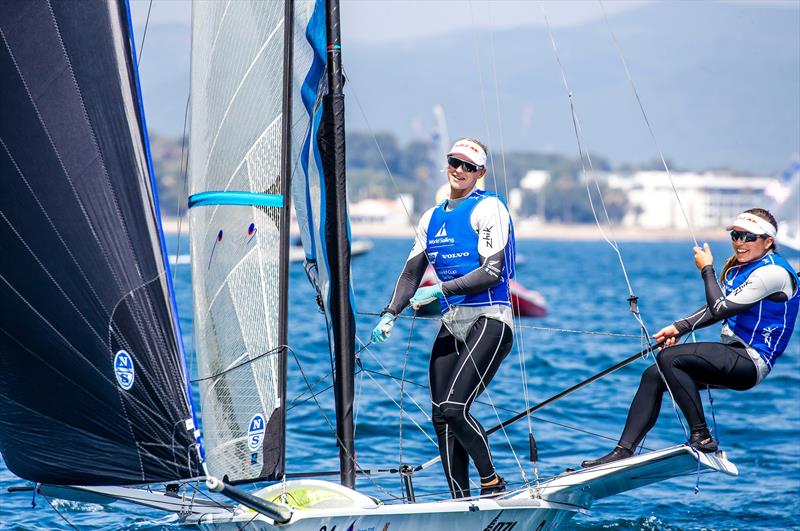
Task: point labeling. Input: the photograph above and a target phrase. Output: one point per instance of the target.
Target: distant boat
(526, 303)
(357, 248)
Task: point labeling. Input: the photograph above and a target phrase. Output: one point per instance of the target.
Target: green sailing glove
(425, 295)
(384, 327)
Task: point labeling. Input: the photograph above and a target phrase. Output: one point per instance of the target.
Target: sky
(389, 20)
(390, 25)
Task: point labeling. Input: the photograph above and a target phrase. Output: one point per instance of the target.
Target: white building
(382, 211)
(709, 199)
(528, 199)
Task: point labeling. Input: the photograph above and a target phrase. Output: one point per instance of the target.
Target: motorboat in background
(526, 303)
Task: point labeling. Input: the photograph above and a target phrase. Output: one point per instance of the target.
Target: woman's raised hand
(703, 257)
(669, 334)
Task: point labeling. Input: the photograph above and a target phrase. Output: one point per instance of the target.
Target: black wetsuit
(691, 366)
(460, 370)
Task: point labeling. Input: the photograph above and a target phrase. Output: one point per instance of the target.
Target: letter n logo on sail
(255, 432)
(123, 369)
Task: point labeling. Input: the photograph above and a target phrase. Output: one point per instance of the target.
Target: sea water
(585, 290)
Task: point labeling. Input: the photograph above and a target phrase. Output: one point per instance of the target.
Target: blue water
(585, 289)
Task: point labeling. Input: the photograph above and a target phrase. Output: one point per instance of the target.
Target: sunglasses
(742, 235)
(468, 167)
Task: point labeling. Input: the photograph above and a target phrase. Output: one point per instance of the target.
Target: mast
(285, 229)
(332, 142)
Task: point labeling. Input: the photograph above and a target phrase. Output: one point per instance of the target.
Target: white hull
(357, 247)
(519, 512)
(550, 506)
(322, 505)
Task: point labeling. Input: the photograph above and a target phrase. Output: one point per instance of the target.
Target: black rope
(146, 24)
(242, 364)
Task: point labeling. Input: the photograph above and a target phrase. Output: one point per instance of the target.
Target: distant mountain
(720, 82)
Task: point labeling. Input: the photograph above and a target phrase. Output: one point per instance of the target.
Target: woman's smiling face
(749, 251)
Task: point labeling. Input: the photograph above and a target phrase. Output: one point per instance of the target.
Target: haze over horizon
(720, 81)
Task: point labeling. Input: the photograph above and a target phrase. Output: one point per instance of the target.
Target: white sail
(235, 167)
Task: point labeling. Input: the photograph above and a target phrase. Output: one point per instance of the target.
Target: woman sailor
(758, 305)
(469, 240)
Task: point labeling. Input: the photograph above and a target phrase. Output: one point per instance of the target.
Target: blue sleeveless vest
(768, 325)
(452, 248)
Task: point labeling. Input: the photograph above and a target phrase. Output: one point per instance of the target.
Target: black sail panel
(92, 376)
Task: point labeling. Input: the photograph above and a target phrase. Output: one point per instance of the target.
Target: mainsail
(92, 375)
(256, 130)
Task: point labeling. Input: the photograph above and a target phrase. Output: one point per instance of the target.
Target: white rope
(647, 120)
(579, 139)
(519, 345)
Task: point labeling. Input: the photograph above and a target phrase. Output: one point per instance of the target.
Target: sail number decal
(123, 369)
(255, 432)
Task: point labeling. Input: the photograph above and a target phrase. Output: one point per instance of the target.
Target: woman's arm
(767, 282)
(413, 270)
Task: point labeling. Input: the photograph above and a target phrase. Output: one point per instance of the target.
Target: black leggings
(459, 372)
(686, 367)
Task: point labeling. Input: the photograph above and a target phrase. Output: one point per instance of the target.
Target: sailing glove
(384, 327)
(425, 295)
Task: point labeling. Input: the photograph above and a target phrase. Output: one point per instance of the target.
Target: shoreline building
(709, 199)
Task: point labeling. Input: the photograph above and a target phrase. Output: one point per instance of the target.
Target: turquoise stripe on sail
(235, 198)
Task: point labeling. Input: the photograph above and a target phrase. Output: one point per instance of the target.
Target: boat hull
(519, 513)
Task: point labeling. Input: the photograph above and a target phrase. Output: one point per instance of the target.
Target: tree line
(383, 167)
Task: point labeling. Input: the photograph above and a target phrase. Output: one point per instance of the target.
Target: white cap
(752, 223)
(470, 151)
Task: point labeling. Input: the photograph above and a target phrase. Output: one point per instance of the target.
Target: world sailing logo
(441, 237)
(255, 432)
(123, 369)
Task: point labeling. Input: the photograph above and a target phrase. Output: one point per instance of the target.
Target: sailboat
(95, 400)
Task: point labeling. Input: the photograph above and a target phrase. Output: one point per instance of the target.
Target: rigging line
(382, 366)
(323, 378)
(358, 398)
(494, 409)
(509, 410)
(632, 299)
(144, 35)
(389, 396)
(515, 320)
(582, 157)
(580, 385)
(646, 119)
(417, 237)
(52, 506)
(246, 362)
(529, 327)
(402, 393)
(562, 394)
(380, 152)
(183, 172)
(339, 442)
